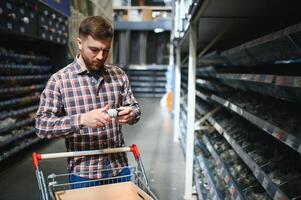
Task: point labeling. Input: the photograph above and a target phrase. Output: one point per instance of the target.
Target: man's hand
(96, 118)
(125, 115)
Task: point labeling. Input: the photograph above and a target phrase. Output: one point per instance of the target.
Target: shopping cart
(57, 184)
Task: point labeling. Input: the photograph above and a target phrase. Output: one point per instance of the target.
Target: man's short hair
(97, 27)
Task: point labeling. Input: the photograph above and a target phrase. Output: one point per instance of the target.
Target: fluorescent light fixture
(159, 30)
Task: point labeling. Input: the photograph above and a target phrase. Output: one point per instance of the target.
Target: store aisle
(162, 158)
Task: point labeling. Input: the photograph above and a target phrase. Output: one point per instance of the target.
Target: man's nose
(99, 56)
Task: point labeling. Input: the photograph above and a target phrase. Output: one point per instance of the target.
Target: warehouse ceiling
(224, 24)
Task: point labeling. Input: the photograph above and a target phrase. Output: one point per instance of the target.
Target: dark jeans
(124, 172)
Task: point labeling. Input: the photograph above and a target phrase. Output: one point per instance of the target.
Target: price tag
(227, 137)
(234, 108)
(290, 140)
(279, 134)
(220, 129)
(256, 172)
(265, 183)
(270, 128)
(280, 196)
(241, 111)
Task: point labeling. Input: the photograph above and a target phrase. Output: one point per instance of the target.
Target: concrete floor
(163, 159)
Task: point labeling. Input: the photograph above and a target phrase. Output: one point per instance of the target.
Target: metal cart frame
(47, 191)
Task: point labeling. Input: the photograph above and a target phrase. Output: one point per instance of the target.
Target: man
(75, 101)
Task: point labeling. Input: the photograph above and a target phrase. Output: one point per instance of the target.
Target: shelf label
(290, 140)
(279, 196)
(265, 183)
(279, 134)
(256, 172)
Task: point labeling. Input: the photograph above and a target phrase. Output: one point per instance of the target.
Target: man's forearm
(50, 127)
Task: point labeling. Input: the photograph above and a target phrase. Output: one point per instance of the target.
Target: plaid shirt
(74, 90)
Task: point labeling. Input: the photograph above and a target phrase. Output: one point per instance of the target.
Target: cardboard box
(118, 191)
(147, 15)
(125, 16)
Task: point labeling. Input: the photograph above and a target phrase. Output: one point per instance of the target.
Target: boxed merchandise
(117, 191)
(147, 15)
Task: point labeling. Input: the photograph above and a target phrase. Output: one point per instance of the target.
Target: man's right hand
(96, 118)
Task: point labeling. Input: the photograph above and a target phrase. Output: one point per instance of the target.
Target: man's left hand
(125, 115)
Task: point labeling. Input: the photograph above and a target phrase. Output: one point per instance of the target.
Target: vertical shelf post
(177, 91)
(190, 110)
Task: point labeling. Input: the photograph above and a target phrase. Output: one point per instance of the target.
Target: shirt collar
(81, 68)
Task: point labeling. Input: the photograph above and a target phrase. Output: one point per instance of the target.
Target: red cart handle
(135, 151)
(35, 159)
(36, 156)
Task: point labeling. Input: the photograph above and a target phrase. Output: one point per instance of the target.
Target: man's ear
(79, 43)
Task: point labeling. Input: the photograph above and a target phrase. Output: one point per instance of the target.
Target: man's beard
(94, 66)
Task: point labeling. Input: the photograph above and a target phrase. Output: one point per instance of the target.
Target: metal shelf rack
(226, 48)
(233, 188)
(278, 133)
(272, 189)
(215, 193)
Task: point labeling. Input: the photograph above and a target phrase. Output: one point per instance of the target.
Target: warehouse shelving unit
(147, 80)
(281, 135)
(199, 188)
(224, 171)
(33, 40)
(215, 193)
(142, 34)
(242, 59)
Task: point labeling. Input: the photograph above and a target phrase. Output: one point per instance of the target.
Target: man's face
(94, 52)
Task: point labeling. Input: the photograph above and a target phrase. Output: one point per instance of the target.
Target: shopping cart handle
(35, 159)
(36, 156)
(135, 151)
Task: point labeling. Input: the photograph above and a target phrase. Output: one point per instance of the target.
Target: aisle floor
(163, 159)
